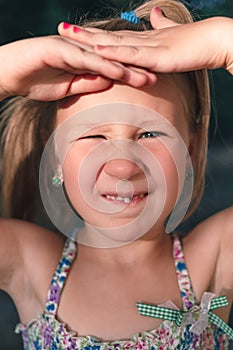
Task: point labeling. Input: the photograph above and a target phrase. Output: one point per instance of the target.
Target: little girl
(126, 132)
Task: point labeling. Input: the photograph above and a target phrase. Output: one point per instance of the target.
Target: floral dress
(193, 327)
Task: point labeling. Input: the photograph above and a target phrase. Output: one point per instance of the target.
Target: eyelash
(153, 134)
(92, 137)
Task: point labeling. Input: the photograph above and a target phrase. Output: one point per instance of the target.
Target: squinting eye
(151, 134)
(92, 137)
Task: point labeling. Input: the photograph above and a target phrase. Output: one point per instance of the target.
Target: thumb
(159, 21)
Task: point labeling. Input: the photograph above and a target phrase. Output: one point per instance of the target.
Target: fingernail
(66, 25)
(158, 10)
(100, 47)
(76, 29)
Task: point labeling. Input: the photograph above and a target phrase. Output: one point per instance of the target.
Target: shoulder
(26, 247)
(223, 278)
(209, 246)
(27, 235)
(216, 229)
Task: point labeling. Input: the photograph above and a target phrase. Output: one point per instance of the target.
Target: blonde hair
(24, 126)
(25, 120)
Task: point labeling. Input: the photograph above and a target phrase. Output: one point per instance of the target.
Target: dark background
(21, 19)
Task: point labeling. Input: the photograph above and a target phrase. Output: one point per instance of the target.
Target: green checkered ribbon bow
(198, 316)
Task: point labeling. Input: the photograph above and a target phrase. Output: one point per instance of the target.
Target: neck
(151, 245)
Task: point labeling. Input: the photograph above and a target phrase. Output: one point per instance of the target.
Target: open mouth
(125, 199)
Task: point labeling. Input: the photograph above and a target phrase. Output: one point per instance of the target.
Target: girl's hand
(171, 47)
(51, 68)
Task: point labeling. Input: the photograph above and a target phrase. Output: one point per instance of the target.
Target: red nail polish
(76, 29)
(100, 47)
(66, 25)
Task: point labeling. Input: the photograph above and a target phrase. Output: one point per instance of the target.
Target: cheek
(169, 159)
(169, 168)
(71, 170)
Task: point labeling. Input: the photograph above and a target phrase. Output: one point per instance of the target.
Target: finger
(77, 61)
(64, 26)
(133, 76)
(102, 37)
(88, 83)
(74, 60)
(90, 62)
(77, 43)
(151, 76)
(137, 77)
(131, 55)
(155, 59)
(71, 30)
(159, 21)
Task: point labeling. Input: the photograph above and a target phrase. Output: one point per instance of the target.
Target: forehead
(166, 97)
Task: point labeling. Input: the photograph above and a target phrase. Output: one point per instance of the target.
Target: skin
(113, 274)
(52, 67)
(122, 169)
(171, 47)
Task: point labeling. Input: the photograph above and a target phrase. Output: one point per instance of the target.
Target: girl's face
(119, 182)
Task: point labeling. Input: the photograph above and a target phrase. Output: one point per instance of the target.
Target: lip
(124, 199)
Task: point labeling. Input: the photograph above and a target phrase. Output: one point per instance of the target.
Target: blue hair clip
(130, 17)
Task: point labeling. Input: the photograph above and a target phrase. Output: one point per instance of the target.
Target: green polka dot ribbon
(197, 316)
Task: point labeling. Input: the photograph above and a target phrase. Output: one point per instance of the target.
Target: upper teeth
(126, 200)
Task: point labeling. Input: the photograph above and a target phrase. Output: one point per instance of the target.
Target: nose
(122, 168)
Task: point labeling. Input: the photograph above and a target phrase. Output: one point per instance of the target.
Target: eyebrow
(108, 125)
(102, 128)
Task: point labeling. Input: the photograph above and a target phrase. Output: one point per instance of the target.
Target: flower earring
(57, 179)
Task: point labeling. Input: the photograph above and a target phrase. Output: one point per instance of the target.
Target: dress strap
(59, 277)
(184, 281)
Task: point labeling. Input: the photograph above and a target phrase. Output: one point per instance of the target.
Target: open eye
(151, 134)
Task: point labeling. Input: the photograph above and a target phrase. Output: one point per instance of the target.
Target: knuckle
(108, 37)
(95, 38)
(118, 38)
(135, 51)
